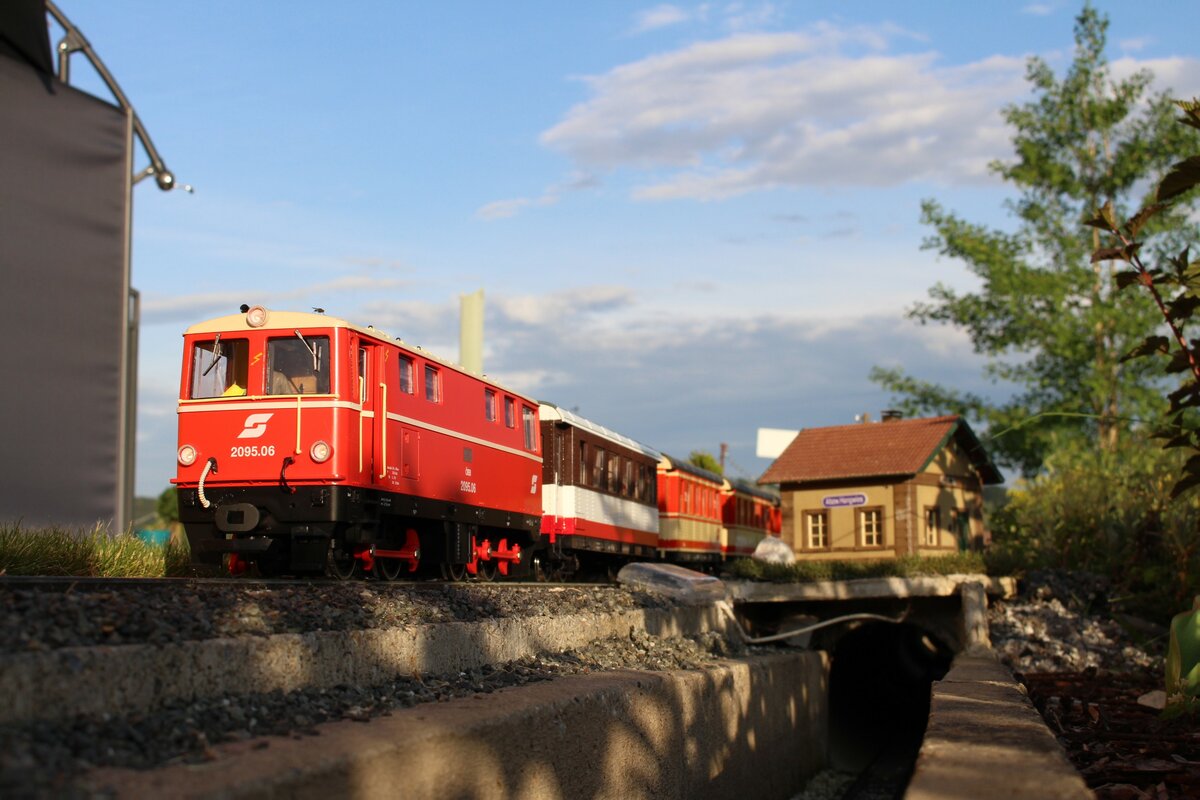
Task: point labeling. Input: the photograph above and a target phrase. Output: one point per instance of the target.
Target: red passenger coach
(307, 443)
(748, 513)
(689, 512)
(598, 494)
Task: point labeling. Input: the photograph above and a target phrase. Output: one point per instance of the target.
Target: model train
(310, 445)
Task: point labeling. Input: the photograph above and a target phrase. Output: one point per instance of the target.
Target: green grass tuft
(98, 553)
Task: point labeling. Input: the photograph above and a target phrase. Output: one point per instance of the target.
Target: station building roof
(876, 450)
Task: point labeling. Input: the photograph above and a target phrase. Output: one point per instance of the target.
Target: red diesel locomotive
(310, 445)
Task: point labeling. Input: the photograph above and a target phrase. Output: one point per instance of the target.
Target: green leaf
(1124, 253)
(1184, 484)
(1182, 177)
(1183, 307)
(1138, 221)
(1191, 111)
(1127, 278)
(1103, 218)
(1150, 345)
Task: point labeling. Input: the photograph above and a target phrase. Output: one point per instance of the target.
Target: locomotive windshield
(219, 368)
(298, 365)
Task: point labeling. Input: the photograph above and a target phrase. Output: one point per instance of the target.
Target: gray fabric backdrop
(64, 186)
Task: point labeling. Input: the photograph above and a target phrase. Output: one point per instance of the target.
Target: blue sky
(689, 220)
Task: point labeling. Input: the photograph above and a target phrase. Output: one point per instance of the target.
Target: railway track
(69, 583)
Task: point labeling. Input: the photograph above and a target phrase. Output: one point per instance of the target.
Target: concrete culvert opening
(879, 688)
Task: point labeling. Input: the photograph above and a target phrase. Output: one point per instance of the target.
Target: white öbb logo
(256, 426)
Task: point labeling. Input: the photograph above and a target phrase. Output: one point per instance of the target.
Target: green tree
(168, 506)
(705, 460)
(1048, 318)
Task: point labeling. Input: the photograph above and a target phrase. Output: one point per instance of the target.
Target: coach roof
(552, 413)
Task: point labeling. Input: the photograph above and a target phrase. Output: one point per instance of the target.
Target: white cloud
(1039, 9)
(502, 209)
(661, 16)
(756, 111)
(194, 307)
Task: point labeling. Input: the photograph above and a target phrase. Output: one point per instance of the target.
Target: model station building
(877, 490)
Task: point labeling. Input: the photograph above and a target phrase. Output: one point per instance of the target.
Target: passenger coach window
(219, 368)
(406, 374)
(433, 389)
(298, 365)
(489, 405)
(530, 428)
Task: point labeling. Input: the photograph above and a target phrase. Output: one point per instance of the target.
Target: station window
(529, 421)
(433, 387)
(298, 365)
(816, 530)
(932, 525)
(510, 412)
(489, 404)
(219, 368)
(406, 374)
(870, 527)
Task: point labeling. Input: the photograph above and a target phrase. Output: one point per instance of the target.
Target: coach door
(372, 395)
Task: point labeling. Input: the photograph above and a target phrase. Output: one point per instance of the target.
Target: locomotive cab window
(298, 365)
(219, 368)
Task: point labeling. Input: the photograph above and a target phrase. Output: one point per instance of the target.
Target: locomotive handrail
(381, 421)
(298, 398)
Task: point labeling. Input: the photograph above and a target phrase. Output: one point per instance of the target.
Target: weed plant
(98, 553)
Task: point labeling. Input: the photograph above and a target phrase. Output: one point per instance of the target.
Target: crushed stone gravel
(1060, 622)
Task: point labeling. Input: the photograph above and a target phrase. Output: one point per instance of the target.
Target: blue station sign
(843, 500)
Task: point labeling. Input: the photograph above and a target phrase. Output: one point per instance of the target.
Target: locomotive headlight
(187, 455)
(320, 451)
(256, 317)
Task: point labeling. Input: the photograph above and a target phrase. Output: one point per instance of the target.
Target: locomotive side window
(601, 473)
(510, 413)
(433, 388)
(219, 368)
(530, 428)
(489, 404)
(298, 365)
(362, 375)
(583, 464)
(406, 374)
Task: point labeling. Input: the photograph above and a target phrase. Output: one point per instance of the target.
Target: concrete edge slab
(747, 728)
(986, 740)
(120, 679)
(918, 586)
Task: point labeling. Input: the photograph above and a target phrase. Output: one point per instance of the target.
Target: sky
(689, 221)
